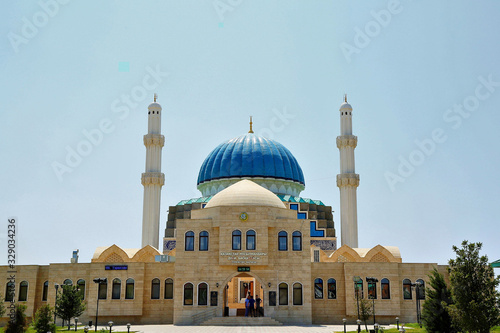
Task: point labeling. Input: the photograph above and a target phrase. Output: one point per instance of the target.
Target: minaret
(347, 180)
(152, 179)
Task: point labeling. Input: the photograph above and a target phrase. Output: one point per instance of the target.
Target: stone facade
(217, 267)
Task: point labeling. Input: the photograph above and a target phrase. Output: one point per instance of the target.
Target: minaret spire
(152, 179)
(347, 180)
(251, 130)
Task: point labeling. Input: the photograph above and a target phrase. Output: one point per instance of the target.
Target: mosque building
(249, 233)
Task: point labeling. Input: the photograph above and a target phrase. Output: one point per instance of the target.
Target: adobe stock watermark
(373, 28)
(453, 116)
(121, 108)
(31, 27)
(223, 6)
(279, 120)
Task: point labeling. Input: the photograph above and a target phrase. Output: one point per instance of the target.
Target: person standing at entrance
(258, 309)
(252, 306)
(247, 305)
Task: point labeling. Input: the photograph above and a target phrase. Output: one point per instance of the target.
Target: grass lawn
(414, 328)
(65, 330)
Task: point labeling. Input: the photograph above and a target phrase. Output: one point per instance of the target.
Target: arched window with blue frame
(297, 241)
(236, 240)
(189, 241)
(204, 241)
(251, 240)
(282, 241)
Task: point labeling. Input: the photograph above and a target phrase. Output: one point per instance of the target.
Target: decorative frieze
(348, 179)
(154, 139)
(153, 178)
(347, 141)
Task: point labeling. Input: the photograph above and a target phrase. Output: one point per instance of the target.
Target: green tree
(473, 288)
(69, 303)
(365, 311)
(435, 316)
(42, 322)
(20, 324)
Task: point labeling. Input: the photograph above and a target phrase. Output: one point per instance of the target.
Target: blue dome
(250, 155)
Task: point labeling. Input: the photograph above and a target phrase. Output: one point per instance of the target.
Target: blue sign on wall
(116, 267)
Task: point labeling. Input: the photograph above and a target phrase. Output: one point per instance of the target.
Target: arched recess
(113, 254)
(220, 299)
(379, 254)
(146, 254)
(345, 254)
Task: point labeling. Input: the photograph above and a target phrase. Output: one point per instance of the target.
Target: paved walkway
(239, 329)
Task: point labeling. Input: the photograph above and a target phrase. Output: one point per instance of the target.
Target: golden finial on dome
(345, 98)
(251, 131)
(155, 97)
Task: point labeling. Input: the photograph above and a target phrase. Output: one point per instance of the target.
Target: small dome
(154, 107)
(250, 155)
(345, 106)
(245, 193)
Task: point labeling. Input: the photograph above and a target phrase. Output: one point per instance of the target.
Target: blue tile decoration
(325, 245)
(169, 245)
(315, 232)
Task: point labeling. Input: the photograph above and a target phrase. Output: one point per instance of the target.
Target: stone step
(241, 321)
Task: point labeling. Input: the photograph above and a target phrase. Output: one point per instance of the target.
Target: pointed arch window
(169, 289)
(283, 294)
(103, 289)
(297, 241)
(23, 291)
(188, 294)
(45, 291)
(189, 241)
(81, 287)
(204, 241)
(318, 288)
(10, 288)
(332, 289)
(116, 289)
(358, 289)
(251, 240)
(203, 294)
(421, 289)
(236, 240)
(385, 288)
(155, 289)
(297, 294)
(407, 289)
(372, 290)
(129, 288)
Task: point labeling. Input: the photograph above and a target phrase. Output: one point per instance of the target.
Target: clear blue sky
(404, 66)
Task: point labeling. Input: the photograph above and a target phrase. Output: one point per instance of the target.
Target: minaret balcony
(348, 179)
(154, 140)
(347, 141)
(153, 178)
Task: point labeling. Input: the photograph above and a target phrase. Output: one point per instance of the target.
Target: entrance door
(236, 292)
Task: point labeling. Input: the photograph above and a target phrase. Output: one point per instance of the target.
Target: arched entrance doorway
(236, 289)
